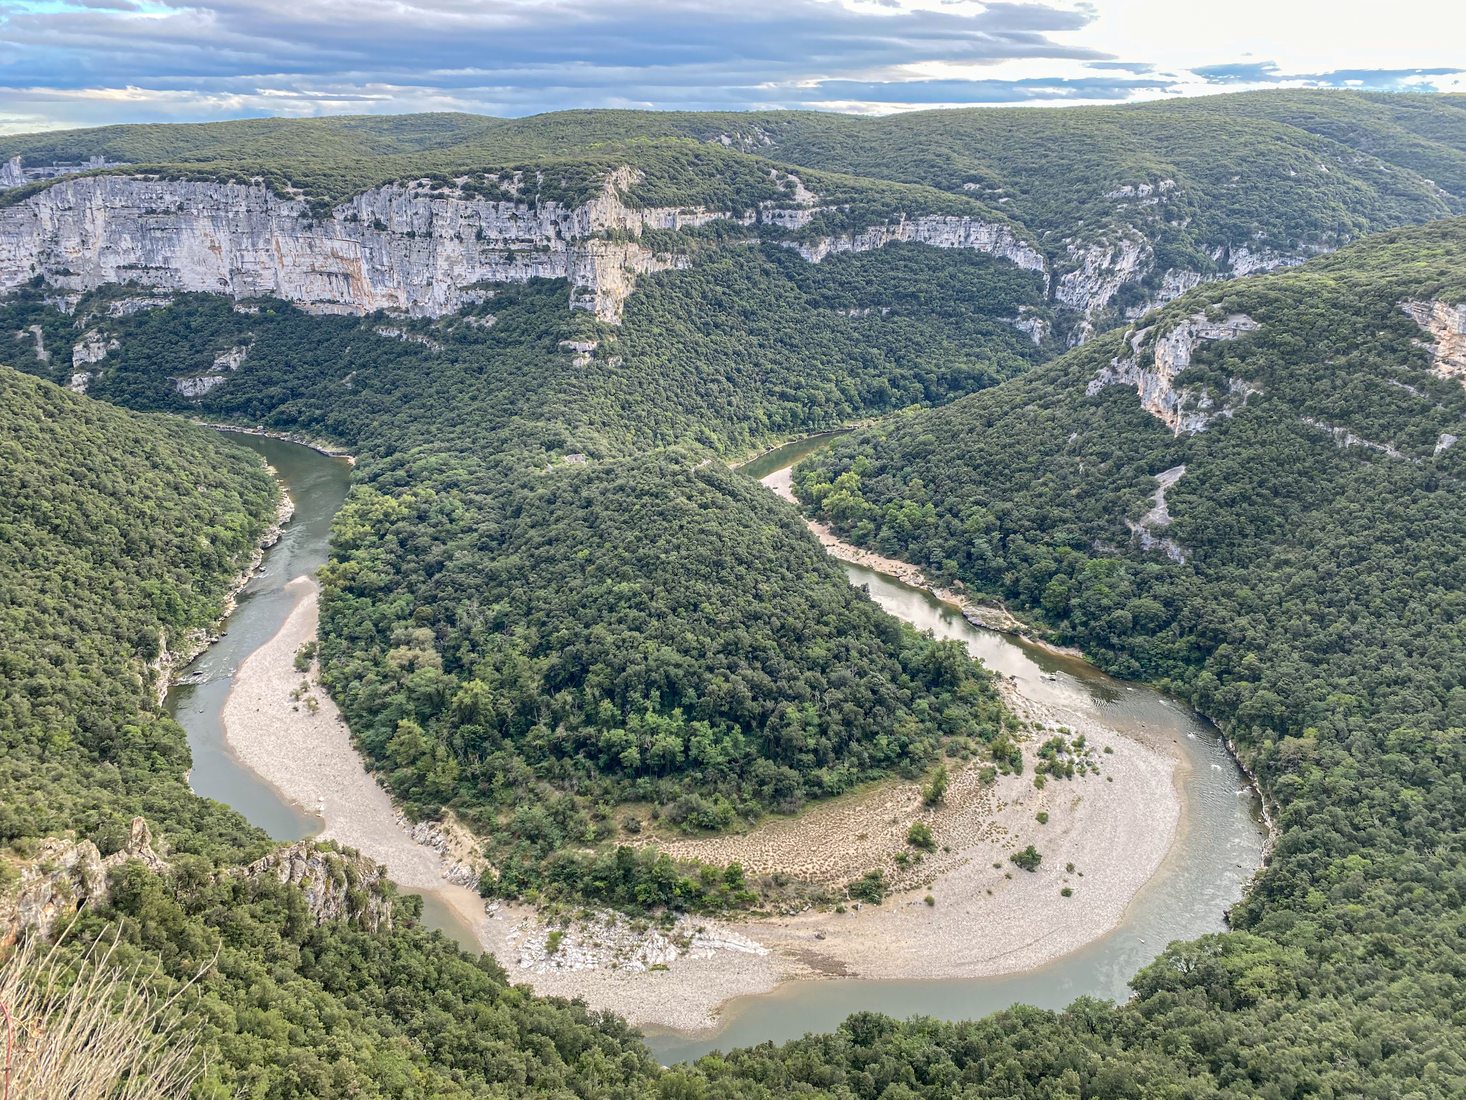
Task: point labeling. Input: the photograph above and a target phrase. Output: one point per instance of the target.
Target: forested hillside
(1300, 583)
(115, 531)
(1130, 204)
(121, 537)
(534, 614)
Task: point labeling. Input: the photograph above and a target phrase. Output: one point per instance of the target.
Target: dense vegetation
(532, 620)
(1317, 615)
(119, 536)
(116, 530)
(653, 630)
(549, 597)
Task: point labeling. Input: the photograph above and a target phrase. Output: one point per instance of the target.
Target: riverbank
(171, 661)
(283, 726)
(1115, 825)
(320, 446)
(988, 616)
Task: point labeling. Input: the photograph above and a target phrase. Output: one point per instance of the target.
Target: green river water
(1219, 845)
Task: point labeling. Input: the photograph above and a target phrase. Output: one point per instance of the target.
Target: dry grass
(93, 1031)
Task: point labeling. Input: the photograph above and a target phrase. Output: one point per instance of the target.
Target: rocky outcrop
(89, 351)
(937, 230)
(1095, 274)
(38, 338)
(198, 385)
(1446, 325)
(1174, 283)
(1344, 438)
(1156, 359)
(612, 941)
(460, 851)
(410, 248)
(1159, 518)
(337, 885)
(67, 876)
(16, 173)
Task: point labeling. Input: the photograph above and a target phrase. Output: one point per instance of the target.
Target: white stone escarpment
(937, 230)
(1097, 272)
(1155, 361)
(1159, 517)
(401, 247)
(67, 876)
(414, 248)
(1446, 325)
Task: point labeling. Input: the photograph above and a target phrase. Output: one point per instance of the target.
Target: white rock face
(1446, 325)
(1170, 354)
(1174, 283)
(1159, 517)
(402, 247)
(938, 230)
(198, 385)
(337, 886)
(1098, 271)
(92, 348)
(232, 359)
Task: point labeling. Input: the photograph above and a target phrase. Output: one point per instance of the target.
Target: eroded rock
(1155, 361)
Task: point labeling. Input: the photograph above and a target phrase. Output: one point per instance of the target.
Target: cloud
(80, 62)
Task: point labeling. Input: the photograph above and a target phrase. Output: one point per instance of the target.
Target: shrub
(870, 887)
(1028, 859)
(920, 836)
(933, 793)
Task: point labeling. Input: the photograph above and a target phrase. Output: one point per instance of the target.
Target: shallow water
(1219, 845)
(317, 484)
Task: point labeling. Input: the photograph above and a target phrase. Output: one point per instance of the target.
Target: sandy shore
(993, 617)
(306, 754)
(1115, 827)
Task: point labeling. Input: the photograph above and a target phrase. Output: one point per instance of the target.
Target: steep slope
(122, 534)
(1126, 206)
(1254, 497)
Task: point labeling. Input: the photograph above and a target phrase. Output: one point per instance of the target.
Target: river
(1218, 847)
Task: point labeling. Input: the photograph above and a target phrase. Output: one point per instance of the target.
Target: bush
(870, 887)
(933, 793)
(920, 836)
(1028, 859)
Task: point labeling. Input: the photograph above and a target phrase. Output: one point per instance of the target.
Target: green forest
(554, 607)
(1317, 617)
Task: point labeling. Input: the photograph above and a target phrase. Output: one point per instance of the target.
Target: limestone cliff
(1156, 359)
(1446, 325)
(938, 230)
(65, 876)
(418, 248)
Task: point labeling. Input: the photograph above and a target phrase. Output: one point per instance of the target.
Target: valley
(1070, 706)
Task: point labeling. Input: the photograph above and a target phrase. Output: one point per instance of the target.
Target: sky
(67, 63)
